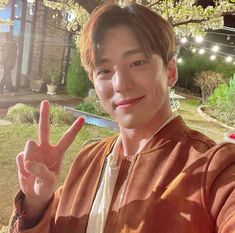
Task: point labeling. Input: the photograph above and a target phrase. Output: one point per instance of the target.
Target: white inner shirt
(101, 204)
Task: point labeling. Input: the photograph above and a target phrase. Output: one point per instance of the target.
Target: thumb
(41, 172)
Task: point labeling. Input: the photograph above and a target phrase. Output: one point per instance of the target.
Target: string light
(199, 39)
(215, 48)
(201, 51)
(228, 59)
(194, 50)
(213, 57)
(180, 60)
(212, 48)
(184, 40)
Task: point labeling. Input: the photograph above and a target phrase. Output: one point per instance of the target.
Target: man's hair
(154, 33)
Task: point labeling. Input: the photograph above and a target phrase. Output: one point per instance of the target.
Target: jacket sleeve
(219, 187)
(16, 224)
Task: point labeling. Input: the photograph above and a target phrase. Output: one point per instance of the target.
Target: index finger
(44, 123)
(70, 135)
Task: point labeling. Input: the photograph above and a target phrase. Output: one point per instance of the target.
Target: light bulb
(215, 48)
(201, 51)
(199, 39)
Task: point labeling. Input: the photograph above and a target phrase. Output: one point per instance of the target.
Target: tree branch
(155, 3)
(189, 21)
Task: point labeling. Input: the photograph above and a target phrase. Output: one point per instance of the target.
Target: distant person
(9, 54)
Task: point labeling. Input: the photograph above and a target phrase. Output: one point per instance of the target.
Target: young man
(157, 175)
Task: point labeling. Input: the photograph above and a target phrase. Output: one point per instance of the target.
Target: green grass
(188, 110)
(13, 138)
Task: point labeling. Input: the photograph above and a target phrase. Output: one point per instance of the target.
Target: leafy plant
(78, 83)
(60, 117)
(52, 73)
(23, 113)
(194, 64)
(221, 103)
(208, 81)
(91, 104)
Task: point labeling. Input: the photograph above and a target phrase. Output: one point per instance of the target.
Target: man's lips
(128, 102)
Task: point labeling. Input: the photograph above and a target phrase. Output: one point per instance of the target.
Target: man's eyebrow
(132, 52)
(125, 54)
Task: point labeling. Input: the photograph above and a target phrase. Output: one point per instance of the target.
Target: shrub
(221, 103)
(23, 113)
(78, 83)
(208, 81)
(194, 63)
(91, 104)
(60, 117)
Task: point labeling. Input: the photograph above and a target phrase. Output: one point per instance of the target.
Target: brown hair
(153, 32)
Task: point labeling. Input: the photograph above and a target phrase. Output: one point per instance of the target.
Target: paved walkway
(33, 98)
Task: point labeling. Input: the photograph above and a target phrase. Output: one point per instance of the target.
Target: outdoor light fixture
(184, 40)
(201, 51)
(228, 59)
(215, 48)
(212, 57)
(199, 39)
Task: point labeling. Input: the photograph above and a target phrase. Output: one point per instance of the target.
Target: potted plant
(52, 77)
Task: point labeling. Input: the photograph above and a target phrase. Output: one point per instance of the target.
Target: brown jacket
(180, 183)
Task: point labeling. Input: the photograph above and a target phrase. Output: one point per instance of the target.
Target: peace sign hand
(39, 165)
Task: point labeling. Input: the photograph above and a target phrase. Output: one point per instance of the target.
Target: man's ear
(172, 72)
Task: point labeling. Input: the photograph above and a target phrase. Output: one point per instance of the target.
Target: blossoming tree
(186, 16)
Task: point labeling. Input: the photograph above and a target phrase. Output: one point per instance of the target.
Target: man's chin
(129, 122)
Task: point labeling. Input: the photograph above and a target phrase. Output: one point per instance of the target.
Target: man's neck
(133, 140)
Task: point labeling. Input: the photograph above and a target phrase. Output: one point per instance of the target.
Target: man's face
(132, 87)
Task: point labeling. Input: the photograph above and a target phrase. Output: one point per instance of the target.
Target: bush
(91, 104)
(60, 117)
(22, 113)
(208, 81)
(78, 83)
(194, 63)
(221, 103)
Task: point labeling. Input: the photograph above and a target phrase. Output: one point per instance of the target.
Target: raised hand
(39, 165)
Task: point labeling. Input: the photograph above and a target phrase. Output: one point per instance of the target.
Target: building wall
(48, 41)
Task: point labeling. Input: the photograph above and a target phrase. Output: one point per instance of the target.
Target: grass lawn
(188, 110)
(13, 138)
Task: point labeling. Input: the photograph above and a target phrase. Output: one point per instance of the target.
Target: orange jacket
(180, 183)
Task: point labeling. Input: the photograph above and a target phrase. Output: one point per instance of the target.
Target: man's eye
(138, 63)
(103, 72)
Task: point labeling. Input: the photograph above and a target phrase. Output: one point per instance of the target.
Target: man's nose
(122, 80)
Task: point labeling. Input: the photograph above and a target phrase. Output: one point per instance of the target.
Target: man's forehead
(102, 57)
